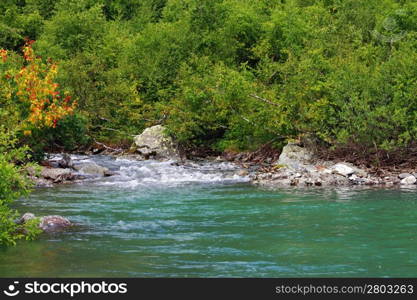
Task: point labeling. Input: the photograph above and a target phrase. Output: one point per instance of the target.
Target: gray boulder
(342, 169)
(294, 157)
(410, 180)
(57, 175)
(91, 168)
(155, 143)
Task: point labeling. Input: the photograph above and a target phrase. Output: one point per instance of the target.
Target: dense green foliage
(230, 74)
(13, 184)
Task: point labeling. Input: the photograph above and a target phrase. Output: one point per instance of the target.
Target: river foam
(132, 173)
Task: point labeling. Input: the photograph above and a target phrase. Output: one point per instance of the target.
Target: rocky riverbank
(298, 166)
(295, 166)
(66, 170)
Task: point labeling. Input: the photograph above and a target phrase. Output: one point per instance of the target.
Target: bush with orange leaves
(30, 91)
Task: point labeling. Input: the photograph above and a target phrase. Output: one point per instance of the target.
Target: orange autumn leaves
(34, 86)
(3, 55)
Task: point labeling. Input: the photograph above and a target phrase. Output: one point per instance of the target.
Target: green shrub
(155, 56)
(69, 135)
(213, 107)
(73, 29)
(13, 184)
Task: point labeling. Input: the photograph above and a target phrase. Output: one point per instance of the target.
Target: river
(156, 219)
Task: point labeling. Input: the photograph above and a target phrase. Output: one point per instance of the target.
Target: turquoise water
(217, 226)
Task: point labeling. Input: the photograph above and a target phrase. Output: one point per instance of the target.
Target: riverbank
(301, 166)
(295, 165)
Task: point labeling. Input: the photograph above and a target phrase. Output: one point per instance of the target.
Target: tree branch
(107, 147)
(264, 100)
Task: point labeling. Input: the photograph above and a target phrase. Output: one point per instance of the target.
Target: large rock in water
(47, 223)
(54, 223)
(91, 168)
(57, 175)
(155, 143)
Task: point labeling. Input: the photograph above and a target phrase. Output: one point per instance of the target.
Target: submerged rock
(155, 143)
(41, 182)
(54, 223)
(48, 223)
